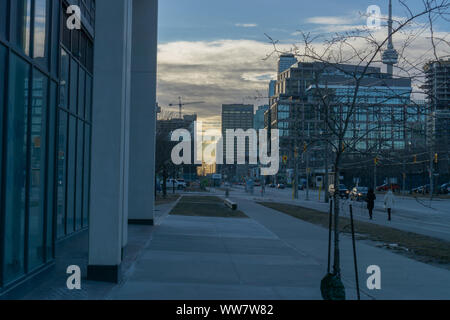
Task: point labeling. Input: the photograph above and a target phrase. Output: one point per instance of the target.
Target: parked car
(389, 186)
(179, 183)
(421, 190)
(281, 186)
(444, 189)
(272, 185)
(359, 193)
(344, 193)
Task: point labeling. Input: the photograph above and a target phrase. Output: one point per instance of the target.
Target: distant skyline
(214, 51)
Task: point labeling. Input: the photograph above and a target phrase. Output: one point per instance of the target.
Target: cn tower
(390, 56)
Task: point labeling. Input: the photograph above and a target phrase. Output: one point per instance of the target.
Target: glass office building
(46, 80)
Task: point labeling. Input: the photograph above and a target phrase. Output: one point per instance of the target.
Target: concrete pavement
(269, 256)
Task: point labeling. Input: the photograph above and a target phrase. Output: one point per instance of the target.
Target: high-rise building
(74, 160)
(286, 61)
(384, 109)
(437, 85)
(437, 88)
(272, 85)
(259, 117)
(235, 117)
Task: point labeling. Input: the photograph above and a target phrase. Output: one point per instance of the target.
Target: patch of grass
(416, 246)
(205, 206)
(169, 199)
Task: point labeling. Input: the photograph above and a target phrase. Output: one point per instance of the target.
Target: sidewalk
(268, 256)
(220, 258)
(402, 278)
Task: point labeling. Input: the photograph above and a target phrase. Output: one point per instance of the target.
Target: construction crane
(181, 105)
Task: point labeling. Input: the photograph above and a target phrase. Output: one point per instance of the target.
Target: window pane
(83, 48)
(71, 174)
(41, 31)
(2, 110)
(87, 158)
(64, 82)
(51, 169)
(55, 38)
(88, 108)
(16, 165)
(81, 93)
(73, 85)
(75, 42)
(22, 10)
(62, 175)
(37, 165)
(79, 176)
(3, 18)
(90, 56)
(64, 30)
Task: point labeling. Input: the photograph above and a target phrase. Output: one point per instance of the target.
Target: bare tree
(363, 49)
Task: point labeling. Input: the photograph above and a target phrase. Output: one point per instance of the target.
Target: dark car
(444, 189)
(272, 185)
(389, 186)
(281, 186)
(344, 193)
(359, 193)
(421, 190)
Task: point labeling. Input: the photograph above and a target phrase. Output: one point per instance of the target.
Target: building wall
(45, 103)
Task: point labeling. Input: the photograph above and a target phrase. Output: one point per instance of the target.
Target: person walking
(371, 197)
(389, 202)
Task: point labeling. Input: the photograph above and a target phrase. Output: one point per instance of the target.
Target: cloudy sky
(214, 51)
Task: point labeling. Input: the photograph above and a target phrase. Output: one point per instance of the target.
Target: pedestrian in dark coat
(371, 197)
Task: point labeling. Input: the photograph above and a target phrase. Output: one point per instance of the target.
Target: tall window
(62, 174)
(22, 29)
(16, 168)
(41, 9)
(4, 10)
(37, 165)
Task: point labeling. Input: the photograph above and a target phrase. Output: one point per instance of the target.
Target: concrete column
(143, 112)
(110, 138)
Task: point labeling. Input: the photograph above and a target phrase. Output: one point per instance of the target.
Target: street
(419, 216)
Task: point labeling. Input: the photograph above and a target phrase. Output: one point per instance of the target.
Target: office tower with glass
(48, 107)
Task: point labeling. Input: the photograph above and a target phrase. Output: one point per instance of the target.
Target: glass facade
(45, 103)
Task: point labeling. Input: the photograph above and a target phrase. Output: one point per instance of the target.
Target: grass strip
(205, 206)
(416, 246)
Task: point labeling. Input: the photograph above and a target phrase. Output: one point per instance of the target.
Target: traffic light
(376, 161)
(436, 158)
(305, 147)
(415, 159)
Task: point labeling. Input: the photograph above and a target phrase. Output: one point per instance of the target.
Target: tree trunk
(164, 183)
(336, 265)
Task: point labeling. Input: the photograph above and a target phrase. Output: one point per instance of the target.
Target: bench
(230, 204)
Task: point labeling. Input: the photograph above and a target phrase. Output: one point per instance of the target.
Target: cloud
(246, 25)
(233, 71)
(217, 72)
(327, 20)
